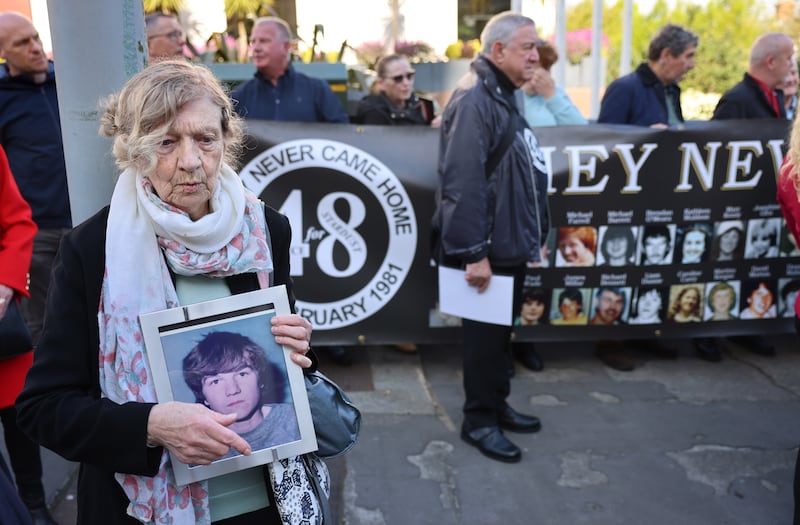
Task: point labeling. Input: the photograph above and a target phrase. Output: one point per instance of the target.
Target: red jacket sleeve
(17, 230)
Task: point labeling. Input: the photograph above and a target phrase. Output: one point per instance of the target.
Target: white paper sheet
(494, 305)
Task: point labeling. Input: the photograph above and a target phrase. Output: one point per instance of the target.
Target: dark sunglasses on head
(399, 78)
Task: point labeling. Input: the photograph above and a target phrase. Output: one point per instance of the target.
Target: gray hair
(151, 20)
(138, 117)
(283, 27)
(672, 37)
(501, 28)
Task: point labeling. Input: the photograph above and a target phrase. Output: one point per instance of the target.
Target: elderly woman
(180, 224)
(547, 104)
(393, 100)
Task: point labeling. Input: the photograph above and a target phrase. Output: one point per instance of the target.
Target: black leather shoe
(526, 354)
(492, 443)
(754, 343)
(339, 355)
(512, 420)
(41, 516)
(706, 348)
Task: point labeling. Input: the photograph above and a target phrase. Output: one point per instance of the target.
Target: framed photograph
(222, 354)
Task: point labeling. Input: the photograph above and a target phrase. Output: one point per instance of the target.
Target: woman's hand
(293, 331)
(193, 432)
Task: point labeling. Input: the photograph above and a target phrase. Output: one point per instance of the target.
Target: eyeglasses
(172, 35)
(399, 78)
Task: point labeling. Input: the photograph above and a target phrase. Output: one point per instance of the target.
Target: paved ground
(673, 442)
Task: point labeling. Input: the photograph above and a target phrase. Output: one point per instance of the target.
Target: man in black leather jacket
(493, 219)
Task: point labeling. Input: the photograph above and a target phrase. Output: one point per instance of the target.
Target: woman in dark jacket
(393, 101)
(181, 228)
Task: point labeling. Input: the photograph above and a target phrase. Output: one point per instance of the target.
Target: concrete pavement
(675, 441)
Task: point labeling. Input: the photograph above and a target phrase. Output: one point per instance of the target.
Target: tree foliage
(726, 28)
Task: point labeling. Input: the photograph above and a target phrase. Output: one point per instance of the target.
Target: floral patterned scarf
(230, 239)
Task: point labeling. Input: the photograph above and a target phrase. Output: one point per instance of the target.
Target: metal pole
(597, 62)
(560, 73)
(97, 46)
(627, 38)
(516, 6)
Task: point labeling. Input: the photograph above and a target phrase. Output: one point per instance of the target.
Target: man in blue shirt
(277, 91)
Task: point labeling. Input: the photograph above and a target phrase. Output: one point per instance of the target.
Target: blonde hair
(139, 116)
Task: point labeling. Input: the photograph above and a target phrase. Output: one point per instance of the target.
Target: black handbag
(337, 421)
(15, 339)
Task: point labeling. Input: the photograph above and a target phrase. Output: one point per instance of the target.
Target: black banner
(655, 232)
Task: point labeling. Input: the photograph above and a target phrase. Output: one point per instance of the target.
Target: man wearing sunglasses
(165, 37)
(494, 215)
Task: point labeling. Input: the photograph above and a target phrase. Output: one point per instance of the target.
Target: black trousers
(26, 463)
(486, 361)
(45, 246)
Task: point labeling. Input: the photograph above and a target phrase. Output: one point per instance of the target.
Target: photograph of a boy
(229, 373)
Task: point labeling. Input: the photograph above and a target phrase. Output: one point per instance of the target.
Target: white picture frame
(171, 335)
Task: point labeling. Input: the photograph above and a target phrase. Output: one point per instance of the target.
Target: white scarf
(230, 239)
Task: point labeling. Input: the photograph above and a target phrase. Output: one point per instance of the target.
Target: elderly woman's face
(189, 158)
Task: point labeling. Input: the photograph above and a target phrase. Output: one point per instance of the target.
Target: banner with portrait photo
(646, 222)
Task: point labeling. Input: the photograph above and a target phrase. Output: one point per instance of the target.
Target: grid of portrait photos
(664, 249)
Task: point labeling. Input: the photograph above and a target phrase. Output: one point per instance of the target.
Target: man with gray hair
(277, 91)
(493, 180)
(757, 95)
(650, 96)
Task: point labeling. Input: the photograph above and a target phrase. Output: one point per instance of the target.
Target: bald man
(757, 95)
(165, 38)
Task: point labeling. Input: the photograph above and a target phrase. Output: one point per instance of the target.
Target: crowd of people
(199, 233)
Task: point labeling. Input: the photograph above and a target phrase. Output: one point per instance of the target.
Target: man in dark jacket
(277, 91)
(493, 222)
(757, 96)
(30, 133)
(650, 96)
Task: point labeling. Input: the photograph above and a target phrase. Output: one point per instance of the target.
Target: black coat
(746, 100)
(60, 406)
(378, 109)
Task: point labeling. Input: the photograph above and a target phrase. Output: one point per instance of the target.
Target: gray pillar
(597, 62)
(560, 67)
(97, 46)
(627, 38)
